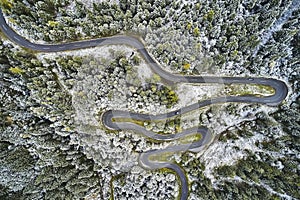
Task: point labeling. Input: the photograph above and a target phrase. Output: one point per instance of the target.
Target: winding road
(110, 118)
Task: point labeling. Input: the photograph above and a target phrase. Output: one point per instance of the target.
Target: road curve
(109, 117)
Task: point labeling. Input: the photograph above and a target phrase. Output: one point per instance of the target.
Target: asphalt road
(108, 117)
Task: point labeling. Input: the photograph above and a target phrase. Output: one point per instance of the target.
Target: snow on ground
(277, 25)
(228, 153)
(89, 4)
(144, 72)
(20, 31)
(260, 184)
(192, 93)
(98, 51)
(220, 153)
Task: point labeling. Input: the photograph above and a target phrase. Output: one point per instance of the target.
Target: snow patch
(89, 4)
(189, 94)
(144, 72)
(295, 4)
(228, 153)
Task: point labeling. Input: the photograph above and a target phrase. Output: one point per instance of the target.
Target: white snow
(219, 153)
(144, 72)
(89, 4)
(192, 93)
(260, 184)
(295, 4)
